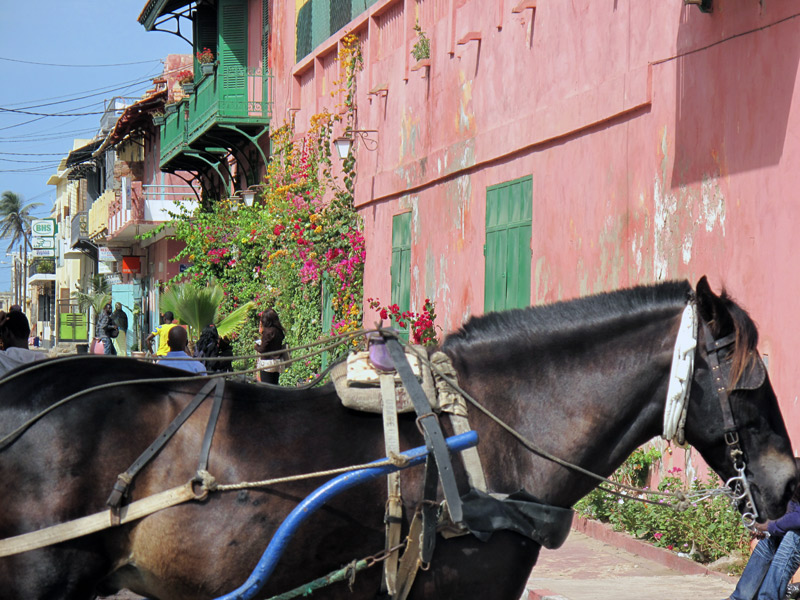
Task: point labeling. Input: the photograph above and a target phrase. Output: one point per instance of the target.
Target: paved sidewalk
(587, 568)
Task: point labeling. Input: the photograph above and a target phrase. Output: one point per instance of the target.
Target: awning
(136, 115)
(83, 154)
(156, 8)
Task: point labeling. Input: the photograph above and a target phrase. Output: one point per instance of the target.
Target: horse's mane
(746, 336)
(581, 315)
(566, 317)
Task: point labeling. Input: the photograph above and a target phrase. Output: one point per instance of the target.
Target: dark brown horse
(585, 380)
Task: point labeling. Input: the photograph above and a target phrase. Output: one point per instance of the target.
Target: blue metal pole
(266, 565)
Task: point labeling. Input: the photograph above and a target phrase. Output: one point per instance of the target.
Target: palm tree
(15, 224)
(198, 307)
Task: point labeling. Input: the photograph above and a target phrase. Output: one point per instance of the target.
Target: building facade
(543, 151)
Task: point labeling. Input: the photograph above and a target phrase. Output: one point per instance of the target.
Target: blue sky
(84, 36)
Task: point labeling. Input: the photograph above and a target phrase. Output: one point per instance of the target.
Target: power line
(44, 64)
(38, 114)
(96, 92)
(32, 154)
(50, 138)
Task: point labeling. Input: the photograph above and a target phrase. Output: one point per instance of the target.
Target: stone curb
(544, 595)
(604, 533)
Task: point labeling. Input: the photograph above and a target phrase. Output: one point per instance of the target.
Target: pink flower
(658, 535)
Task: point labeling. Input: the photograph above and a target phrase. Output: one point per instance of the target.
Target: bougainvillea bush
(301, 231)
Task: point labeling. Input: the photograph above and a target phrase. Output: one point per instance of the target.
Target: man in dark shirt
(121, 320)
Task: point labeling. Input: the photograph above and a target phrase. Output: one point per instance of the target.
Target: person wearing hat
(14, 332)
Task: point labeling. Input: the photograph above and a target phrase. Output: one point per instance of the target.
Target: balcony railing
(79, 229)
(148, 204)
(230, 96)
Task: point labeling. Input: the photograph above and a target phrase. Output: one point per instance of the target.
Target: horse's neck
(591, 406)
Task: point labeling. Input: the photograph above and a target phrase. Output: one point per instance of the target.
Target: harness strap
(99, 521)
(453, 403)
(394, 503)
(202, 465)
(712, 347)
(434, 438)
(124, 479)
(410, 563)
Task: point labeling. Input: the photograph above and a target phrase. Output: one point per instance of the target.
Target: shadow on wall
(734, 97)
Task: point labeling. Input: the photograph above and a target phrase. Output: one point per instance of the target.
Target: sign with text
(43, 242)
(43, 227)
(131, 264)
(48, 252)
(106, 254)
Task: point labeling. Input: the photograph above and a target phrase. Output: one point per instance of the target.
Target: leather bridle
(739, 483)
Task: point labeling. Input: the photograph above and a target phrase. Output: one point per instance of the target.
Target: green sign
(43, 227)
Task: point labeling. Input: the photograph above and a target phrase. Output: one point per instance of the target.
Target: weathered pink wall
(662, 142)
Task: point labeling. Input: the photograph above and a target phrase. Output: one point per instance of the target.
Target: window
(509, 208)
(401, 262)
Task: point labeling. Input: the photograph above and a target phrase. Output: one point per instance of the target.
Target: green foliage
(198, 307)
(708, 529)
(15, 219)
(422, 48)
(45, 266)
(95, 295)
(302, 229)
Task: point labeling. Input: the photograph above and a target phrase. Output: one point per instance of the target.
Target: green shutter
(509, 210)
(305, 17)
(340, 14)
(233, 57)
(327, 313)
(205, 33)
(401, 262)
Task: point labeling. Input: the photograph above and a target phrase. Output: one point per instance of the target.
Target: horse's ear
(711, 308)
(707, 300)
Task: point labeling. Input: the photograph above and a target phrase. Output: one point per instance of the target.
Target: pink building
(540, 151)
(555, 149)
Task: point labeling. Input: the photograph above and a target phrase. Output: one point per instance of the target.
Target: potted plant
(158, 117)
(186, 79)
(206, 59)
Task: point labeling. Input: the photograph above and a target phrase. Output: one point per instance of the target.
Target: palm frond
(234, 320)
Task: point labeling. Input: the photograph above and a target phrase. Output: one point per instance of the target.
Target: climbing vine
(301, 239)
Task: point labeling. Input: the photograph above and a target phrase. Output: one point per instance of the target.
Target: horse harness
(753, 378)
(681, 375)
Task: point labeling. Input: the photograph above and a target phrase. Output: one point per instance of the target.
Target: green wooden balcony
(227, 108)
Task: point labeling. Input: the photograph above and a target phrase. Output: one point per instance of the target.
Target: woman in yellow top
(162, 332)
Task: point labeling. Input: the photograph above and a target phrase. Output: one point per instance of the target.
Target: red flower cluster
(423, 329)
(205, 56)
(185, 76)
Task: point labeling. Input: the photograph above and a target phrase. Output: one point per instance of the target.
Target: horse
(585, 379)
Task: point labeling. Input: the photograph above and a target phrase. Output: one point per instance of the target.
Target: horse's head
(733, 418)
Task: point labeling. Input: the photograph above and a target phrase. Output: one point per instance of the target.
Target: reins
(682, 499)
(11, 437)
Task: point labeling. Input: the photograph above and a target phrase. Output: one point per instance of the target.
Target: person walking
(121, 321)
(162, 331)
(775, 558)
(105, 330)
(178, 356)
(272, 336)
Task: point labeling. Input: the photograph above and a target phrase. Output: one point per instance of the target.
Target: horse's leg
(63, 572)
(465, 567)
